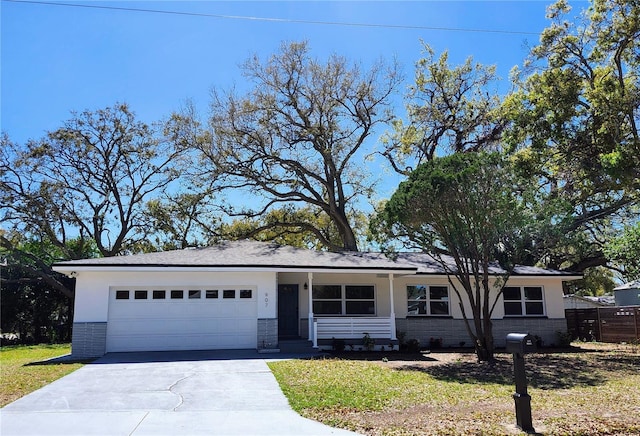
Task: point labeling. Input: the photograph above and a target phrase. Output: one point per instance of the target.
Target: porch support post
(311, 330)
(392, 315)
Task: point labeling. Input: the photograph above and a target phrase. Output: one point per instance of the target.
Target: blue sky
(56, 59)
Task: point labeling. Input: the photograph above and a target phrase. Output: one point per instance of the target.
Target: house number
(266, 299)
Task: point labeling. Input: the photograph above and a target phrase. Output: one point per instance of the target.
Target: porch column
(310, 282)
(392, 315)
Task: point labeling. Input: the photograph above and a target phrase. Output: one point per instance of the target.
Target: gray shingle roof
(248, 254)
(425, 264)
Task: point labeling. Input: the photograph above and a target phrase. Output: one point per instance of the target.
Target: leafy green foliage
(577, 108)
(182, 220)
(37, 302)
(449, 110)
(304, 227)
(624, 251)
(473, 208)
(597, 281)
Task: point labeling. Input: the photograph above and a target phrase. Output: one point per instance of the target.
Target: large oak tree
(86, 182)
(294, 138)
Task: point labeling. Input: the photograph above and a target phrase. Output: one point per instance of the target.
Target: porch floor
(296, 346)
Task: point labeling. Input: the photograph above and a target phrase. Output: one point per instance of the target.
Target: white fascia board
(511, 277)
(69, 269)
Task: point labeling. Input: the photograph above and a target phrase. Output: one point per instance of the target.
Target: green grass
(593, 391)
(21, 374)
(366, 386)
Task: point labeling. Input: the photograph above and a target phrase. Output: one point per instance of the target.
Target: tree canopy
(624, 252)
(89, 179)
(469, 208)
(294, 137)
(450, 109)
(577, 112)
(83, 187)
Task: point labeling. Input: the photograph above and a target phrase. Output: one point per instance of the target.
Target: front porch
(343, 308)
(357, 333)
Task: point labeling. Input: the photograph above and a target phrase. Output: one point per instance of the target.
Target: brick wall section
(267, 333)
(453, 331)
(88, 339)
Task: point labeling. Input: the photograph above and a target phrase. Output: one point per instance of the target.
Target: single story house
(248, 294)
(628, 294)
(573, 301)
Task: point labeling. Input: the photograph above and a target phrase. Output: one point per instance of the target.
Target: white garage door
(181, 319)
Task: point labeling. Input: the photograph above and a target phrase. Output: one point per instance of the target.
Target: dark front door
(288, 311)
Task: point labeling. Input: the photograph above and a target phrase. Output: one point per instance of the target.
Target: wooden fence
(604, 324)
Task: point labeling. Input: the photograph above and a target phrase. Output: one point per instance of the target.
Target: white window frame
(343, 300)
(427, 301)
(523, 302)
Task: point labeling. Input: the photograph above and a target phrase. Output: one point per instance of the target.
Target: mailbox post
(520, 344)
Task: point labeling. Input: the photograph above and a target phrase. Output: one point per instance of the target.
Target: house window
(344, 300)
(211, 293)
(245, 293)
(177, 294)
(523, 301)
(360, 300)
(194, 294)
(122, 295)
(159, 295)
(327, 299)
(229, 293)
(428, 300)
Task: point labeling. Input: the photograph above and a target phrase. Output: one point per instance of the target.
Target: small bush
(435, 343)
(413, 346)
(338, 344)
(368, 342)
(563, 338)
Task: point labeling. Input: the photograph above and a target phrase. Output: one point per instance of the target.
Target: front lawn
(21, 373)
(592, 389)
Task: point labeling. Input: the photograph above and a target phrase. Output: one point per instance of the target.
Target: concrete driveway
(169, 393)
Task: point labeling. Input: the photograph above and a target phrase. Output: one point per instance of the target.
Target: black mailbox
(521, 343)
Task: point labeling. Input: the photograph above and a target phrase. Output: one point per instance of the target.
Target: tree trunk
(349, 239)
(347, 236)
(484, 346)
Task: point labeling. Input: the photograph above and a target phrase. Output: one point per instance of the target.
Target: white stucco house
(248, 294)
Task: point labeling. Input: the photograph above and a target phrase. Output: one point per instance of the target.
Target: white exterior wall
(552, 288)
(92, 288)
(380, 283)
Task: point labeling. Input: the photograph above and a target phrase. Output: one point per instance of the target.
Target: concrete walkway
(169, 393)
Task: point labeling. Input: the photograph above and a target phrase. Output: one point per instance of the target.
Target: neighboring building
(628, 294)
(573, 301)
(247, 294)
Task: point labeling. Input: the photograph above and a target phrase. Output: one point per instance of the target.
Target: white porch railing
(351, 328)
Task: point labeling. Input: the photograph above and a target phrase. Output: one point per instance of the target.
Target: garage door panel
(181, 324)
